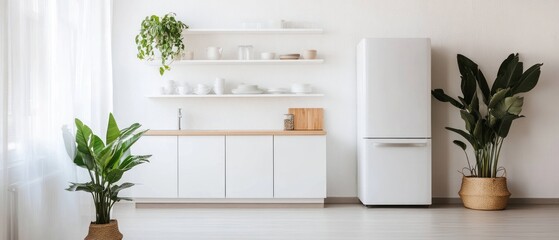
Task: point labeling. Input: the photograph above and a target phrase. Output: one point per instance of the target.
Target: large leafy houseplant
(161, 33)
(105, 162)
(488, 124)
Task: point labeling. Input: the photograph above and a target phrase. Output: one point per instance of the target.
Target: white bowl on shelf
(301, 88)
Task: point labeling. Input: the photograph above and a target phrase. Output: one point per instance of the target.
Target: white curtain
(58, 68)
(3, 76)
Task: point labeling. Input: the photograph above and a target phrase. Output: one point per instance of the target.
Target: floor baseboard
(438, 200)
(342, 200)
(521, 201)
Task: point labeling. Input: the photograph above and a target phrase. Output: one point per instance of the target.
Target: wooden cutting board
(307, 118)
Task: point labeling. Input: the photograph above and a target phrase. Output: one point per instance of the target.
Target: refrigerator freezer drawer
(395, 172)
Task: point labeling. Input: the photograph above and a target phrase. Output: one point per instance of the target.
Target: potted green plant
(105, 162)
(487, 125)
(165, 35)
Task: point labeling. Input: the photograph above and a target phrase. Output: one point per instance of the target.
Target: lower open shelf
(239, 96)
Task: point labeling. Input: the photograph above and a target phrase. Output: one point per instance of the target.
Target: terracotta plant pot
(107, 231)
(484, 193)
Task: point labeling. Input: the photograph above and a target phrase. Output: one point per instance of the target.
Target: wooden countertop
(231, 133)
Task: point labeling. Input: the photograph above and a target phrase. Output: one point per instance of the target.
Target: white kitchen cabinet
(158, 178)
(201, 166)
(300, 166)
(249, 167)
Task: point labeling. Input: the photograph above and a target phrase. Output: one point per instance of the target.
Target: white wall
(486, 31)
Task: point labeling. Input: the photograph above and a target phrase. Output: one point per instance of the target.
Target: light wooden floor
(339, 221)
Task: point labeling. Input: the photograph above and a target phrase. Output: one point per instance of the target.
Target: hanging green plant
(163, 34)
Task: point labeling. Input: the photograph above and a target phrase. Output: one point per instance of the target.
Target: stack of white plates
(277, 90)
(289, 56)
(247, 89)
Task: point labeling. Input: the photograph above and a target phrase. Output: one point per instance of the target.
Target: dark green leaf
(465, 65)
(468, 86)
(465, 135)
(505, 124)
(460, 144)
(507, 73)
(482, 83)
(479, 129)
(114, 175)
(469, 120)
(528, 80)
(441, 96)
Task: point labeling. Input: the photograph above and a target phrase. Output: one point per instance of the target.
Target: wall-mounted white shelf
(240, 96)
(254, 31)
(241, 62)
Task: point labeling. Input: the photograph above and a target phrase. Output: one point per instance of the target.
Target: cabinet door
(158, 178)
(202, 166)
(300, 166)
(249, 167)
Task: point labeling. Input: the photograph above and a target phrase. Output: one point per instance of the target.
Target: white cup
(218, 90)
(267, 55)
(214, 53)
(219, 83)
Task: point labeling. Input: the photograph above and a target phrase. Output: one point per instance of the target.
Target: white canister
(214, 53)
(219, 86)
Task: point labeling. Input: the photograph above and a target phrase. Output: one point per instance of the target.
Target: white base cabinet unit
(201, 166)
(299, 167)
(157, 178)
(249, 168)
(230, 167)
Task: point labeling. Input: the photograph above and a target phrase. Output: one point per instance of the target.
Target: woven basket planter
(484, 193)
(107, 231)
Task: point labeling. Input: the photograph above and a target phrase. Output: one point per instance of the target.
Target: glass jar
(245, 52)
(288, 123)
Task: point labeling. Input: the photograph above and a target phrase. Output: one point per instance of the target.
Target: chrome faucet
(180, 117)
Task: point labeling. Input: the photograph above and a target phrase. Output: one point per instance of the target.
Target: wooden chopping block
(307, 118)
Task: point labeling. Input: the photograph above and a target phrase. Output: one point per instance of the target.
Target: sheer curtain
(58, 68)
(3, 76)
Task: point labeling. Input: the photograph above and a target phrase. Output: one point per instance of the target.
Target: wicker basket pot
(484, 193)
(107, 231)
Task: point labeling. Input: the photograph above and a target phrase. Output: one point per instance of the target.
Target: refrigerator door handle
(400, 142)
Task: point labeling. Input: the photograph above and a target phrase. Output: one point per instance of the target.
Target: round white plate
(236, 91)
(277, 90)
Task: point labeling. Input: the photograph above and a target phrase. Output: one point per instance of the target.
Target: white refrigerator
(394, 121)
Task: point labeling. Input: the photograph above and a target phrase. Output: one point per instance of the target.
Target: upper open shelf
(240, 62)
(254, 31)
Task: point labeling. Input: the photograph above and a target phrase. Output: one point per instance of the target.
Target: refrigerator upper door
(394, 84)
